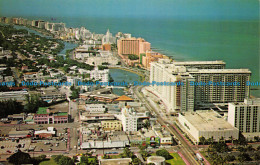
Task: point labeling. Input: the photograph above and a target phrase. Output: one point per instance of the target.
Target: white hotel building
(245, 116)
(131, 120)
(186, 96)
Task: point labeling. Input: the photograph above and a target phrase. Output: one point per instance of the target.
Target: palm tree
(231, 139)
(221, 139)
(202, 140)
(211, 140)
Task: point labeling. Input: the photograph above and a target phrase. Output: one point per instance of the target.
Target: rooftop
(124, 98)
(42, 110)
(121, 161)
(219, 71)
(62, 114)
(207, 121)
(198, 62)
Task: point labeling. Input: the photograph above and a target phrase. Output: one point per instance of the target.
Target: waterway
(119, 75)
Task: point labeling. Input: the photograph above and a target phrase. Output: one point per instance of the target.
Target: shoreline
(254, 90)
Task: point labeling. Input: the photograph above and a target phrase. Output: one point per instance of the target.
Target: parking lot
(10, 146)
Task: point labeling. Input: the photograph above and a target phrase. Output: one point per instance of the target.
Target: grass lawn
(176, 159)
(48, 162)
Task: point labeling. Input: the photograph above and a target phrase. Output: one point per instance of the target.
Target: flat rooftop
(207, 121)
(121, 161)
(42, 110)
(219, 71)
(199, 62)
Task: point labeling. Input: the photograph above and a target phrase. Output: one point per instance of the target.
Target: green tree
(127, 153)
(9, 107)
(243, 157)
(33, 102)
(20, 158)
(210, 140)
(202, 140)
(230, 158)
(106, 156)
(84, 160)
(133, 57)
(256, 138)
(64, 160)
(147, 123)
(164, 153)
(136, 161)
(231, 139)
(250, 148)
(56, 158)
(256, 156)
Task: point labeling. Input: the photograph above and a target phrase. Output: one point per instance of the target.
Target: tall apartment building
(129, 119)
(231, 83)
(108, 38)
(245, 116)
(232, 89)
(132, 46)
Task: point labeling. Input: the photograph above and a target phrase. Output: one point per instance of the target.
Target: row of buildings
(140, 48)
(195, 88)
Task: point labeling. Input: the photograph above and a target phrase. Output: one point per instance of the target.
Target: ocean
(234, 41)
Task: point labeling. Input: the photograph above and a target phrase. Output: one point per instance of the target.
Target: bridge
(117, 87)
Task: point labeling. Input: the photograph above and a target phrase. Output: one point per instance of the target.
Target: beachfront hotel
(185, 97)
(134, 46)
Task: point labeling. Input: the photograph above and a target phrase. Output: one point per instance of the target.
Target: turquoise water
(236, 42)
(119, 75)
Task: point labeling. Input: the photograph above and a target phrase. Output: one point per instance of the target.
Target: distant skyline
(177, 9)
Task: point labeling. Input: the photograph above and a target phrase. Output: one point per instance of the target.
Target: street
(185, 149)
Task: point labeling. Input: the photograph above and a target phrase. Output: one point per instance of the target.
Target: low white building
(17, 95)
(207, 124)
(33, 76)
(99, 75)
(73, 80)
(95, 108)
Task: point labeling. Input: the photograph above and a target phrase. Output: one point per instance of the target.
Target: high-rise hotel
(134, 46)
(245, 115)
(198, 83)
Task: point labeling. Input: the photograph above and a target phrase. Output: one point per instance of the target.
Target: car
(41, 149)
(50, 149)
(8, 151)
(114, 152)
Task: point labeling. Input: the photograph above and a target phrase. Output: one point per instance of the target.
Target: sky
(179, 9)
